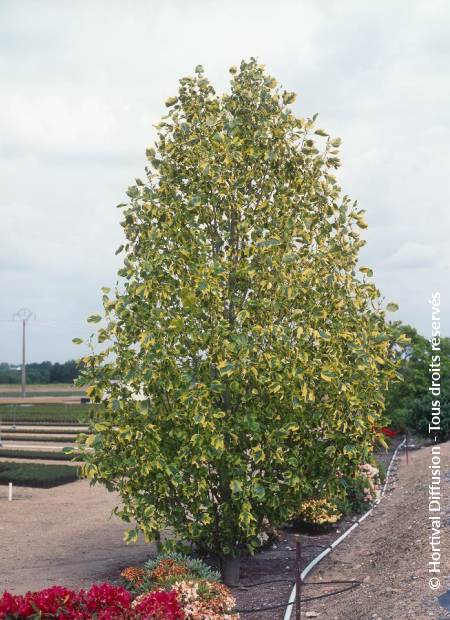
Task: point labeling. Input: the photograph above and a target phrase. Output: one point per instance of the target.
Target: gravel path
(63, 535)
(389, 553)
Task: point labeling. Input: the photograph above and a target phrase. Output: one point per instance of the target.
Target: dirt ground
(40, 387)
(389, 553)
(62, 536)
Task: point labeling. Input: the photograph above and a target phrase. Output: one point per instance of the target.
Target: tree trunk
(158, 543)
(230, 567)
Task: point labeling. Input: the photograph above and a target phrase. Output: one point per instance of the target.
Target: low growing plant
(205, 600)
(361, 490)
(317, 512)
(166, 570)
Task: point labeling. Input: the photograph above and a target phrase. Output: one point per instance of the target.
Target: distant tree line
(44, 372)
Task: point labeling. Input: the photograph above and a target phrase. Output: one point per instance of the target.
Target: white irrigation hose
(338, 541)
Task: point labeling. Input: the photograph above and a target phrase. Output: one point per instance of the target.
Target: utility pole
(24, 315)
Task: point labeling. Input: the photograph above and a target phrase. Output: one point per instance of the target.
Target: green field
(37, 474)
(51, 413)
(41, 389)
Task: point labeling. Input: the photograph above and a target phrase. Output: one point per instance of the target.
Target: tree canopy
(247, 355)
(409, 402)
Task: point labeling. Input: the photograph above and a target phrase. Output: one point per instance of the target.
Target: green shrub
(354, 500)
(361, 490)
(317, 513)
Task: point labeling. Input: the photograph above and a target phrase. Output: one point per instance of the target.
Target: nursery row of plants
(44, 455)
(44, 414)
(21, 425)
(17, 436)
(37, 475)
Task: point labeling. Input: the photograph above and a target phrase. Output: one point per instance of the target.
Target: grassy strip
(37, 475)
(50, 413)
(43, 455)
(47, 439)
(45, 409)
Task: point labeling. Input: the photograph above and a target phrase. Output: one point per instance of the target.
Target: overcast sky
(82, 84)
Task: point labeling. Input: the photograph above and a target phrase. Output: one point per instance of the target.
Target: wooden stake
(298, 580)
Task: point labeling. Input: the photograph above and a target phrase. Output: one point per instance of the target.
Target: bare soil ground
(41, 394)
(389, 553)
(62, 536)
(41, 387)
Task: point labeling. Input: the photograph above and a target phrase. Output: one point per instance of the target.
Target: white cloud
(412, 256)
(83, 83)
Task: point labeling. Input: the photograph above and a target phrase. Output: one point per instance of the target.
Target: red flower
(54, 601)
(159, 605)
(106, 598)
(11, 605)
(386, 431)
(389, 432)
(105, 601)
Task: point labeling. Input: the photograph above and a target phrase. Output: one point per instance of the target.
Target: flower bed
(194, 584)
(103, 601)
(169, 588)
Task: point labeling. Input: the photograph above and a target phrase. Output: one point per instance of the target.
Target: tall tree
(247, 360)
